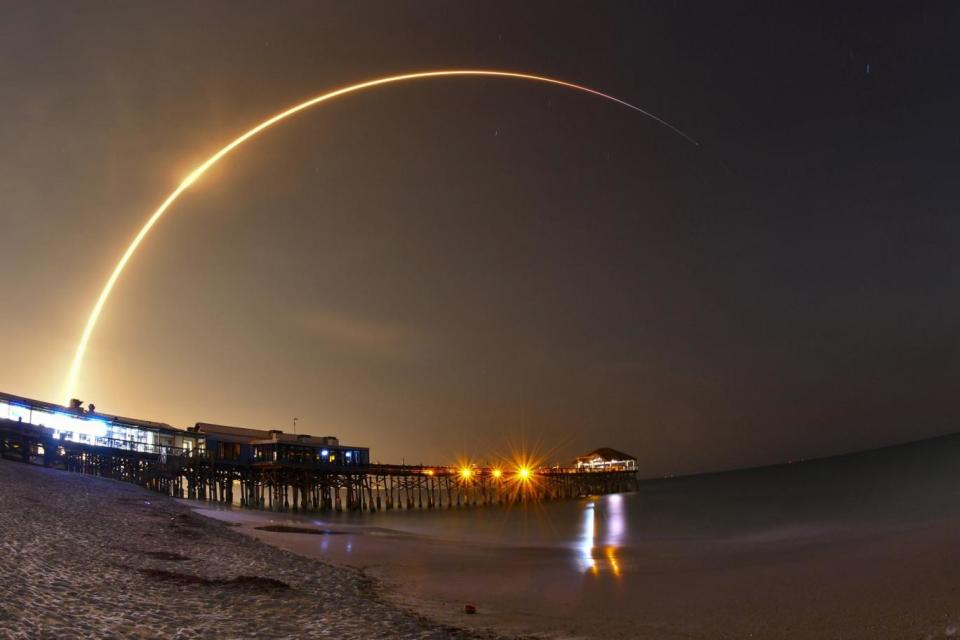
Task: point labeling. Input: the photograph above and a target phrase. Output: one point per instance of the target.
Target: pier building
(606, 459)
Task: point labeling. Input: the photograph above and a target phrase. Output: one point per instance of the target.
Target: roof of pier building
(245, 435)
(606, 454)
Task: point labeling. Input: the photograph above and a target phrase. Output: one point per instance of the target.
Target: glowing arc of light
(199, 171)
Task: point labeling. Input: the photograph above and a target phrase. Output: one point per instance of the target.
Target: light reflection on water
(592, 537)
(612, 523)
(587, 535)
(616, 522)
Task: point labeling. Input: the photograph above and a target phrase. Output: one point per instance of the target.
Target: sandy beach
(84, 557)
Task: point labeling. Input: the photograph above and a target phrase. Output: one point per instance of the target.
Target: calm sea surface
(584, 533)
(854, 546)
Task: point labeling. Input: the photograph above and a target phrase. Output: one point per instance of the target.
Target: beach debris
(469, 608)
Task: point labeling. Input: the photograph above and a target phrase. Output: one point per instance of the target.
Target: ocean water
(583, 531)
(871, 491)
(855, 546)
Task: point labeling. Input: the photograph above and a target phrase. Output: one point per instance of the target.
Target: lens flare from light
(197, 173)
(466, 473)
(523, 482)
(497, 473)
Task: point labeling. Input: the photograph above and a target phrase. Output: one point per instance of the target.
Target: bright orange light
(429, 472)
(497, 473)
(197, 173)
(466, 472)
(524, 473)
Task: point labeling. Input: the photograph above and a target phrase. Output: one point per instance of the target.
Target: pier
(273, 470)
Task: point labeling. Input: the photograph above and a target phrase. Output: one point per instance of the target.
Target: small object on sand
(469, 608)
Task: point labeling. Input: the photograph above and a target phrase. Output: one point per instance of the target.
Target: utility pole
(295, 425)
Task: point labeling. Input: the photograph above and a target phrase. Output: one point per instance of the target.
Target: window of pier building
(18, 413)
(302, 455)
(228, 450)
(68, 426)
(82, 429)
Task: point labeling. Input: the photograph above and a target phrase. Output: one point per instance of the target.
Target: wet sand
(436, 577)
(793, 583)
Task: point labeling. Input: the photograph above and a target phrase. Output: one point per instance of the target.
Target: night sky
(432, 269)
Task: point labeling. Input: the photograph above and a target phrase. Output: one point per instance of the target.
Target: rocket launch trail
(197, 173)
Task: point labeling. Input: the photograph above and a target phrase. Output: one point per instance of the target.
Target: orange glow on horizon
(196, 174)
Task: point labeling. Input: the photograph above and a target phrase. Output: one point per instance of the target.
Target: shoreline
(400, 563)
(89, 557)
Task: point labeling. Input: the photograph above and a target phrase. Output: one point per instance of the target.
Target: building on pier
(252, 446)
(606, 459)
(236, 445)
(90, 427)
